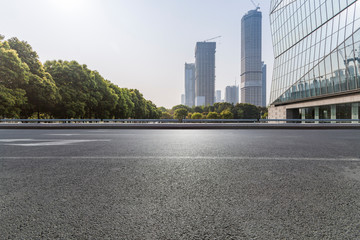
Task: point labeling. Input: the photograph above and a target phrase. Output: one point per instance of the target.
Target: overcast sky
(141, 44)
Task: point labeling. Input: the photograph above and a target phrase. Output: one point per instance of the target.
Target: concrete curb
(178, 126)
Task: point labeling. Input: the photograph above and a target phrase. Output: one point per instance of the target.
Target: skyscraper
(205, 73)
(317, 54)
(263, 90)
(190, 84)
(182, 99)
(251, 73)
(232, 94)
(218, 96)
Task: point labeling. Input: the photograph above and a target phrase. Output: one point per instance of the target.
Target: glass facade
(348, 112)
(251, 64)
(190, 84)
(205, 73)
(316, 47)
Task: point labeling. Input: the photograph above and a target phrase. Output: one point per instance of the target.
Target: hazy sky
(141, 44)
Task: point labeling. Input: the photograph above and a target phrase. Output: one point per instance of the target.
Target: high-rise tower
(232, 94)
(263, 90)
(251, 72)
(205, 73)
(190, 84)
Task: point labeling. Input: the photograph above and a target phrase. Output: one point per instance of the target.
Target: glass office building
(205, 73)
(317, 59)
(251, 64)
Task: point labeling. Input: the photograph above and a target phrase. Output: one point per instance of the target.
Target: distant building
(218, 96)
(232, 94)
(200, 101)
(205, 73)
(183, 99)
(251, 73)
(263, 94)
(190, 84)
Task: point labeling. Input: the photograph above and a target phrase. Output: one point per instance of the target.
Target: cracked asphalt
(179, 184)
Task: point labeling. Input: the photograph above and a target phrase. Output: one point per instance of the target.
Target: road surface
(179, 184)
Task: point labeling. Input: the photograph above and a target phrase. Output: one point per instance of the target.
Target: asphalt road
(179, 184)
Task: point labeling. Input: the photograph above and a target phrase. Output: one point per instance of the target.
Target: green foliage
(199, 109)
(220, 107)
(209, 109)
(166, 115)
(246, 111)
(41, 91)
(13, 72)
(162, 109)
(61, 89)
(224, 111)
(212, 115)
(263, 112)
(11, 101)
(265, 115)
(226, 114)
(181, 113)
(196, 115)
(181, 106)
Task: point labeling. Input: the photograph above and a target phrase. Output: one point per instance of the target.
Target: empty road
(179, 184)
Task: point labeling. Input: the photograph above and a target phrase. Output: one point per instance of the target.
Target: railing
(159, 121)
(50, 120)
(140, 120)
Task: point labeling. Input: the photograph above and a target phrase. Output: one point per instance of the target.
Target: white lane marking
(54, 143)
(190, 158)
(16, 140)
(63, 134)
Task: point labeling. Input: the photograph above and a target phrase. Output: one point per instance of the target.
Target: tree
(124, 106)
(180, 114)
(263, 112)
(85, 93)
(41, 89)
(13, 72)
(196, 115)
(139, 104)
(265, 115)
(166, 115)
(152, 111)
(181, 106)
(226, 114)
(246, 111)
(13, 76)
(209, 108)
(62, 89)
(162, 109)
(11, 102)
(75, 85)
(199, 109)
(219, 107)
(212, 115)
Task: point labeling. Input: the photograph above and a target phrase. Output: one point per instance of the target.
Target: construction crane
(207, 40)
(257, 7)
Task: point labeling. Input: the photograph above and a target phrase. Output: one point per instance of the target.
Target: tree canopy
(181, 113)
(61, 89)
